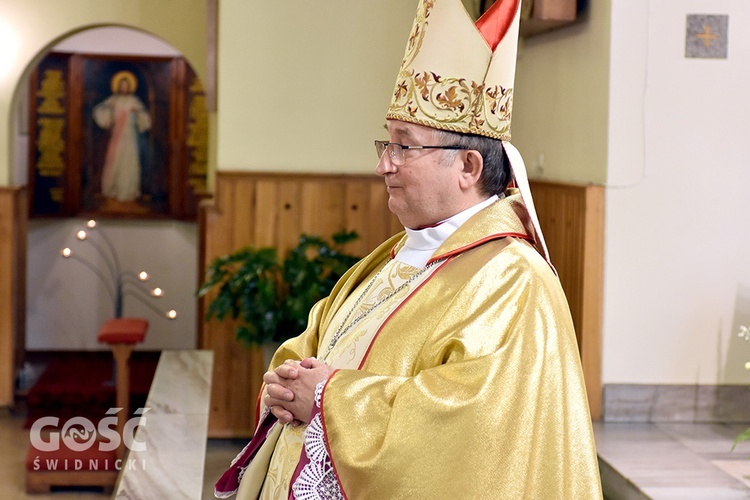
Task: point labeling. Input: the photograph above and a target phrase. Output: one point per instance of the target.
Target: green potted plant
(272, 298)
(744, 435)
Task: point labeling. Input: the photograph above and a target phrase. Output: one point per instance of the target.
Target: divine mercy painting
(125, 123)
(116, 136)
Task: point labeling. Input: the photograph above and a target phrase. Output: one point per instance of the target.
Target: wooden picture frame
(49, 137)
(116, 136)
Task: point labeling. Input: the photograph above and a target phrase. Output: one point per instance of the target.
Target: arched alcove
(66, 302)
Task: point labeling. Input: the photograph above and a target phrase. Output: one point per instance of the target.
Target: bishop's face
(425, 189)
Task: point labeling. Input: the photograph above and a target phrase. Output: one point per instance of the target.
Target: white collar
(421, 244)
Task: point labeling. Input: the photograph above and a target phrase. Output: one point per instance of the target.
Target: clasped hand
(290, 389)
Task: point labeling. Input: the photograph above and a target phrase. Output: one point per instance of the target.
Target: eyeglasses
(396, 150)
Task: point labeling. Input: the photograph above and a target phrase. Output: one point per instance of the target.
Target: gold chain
(341, 330)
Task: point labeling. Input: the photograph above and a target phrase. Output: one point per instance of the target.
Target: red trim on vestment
(369, 348)
(325, 433)
(481, 242)
(230, 480)
(429, 225)
(494, 24)
(393, 251)
(258, 403)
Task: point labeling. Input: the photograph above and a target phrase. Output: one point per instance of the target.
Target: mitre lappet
(458, 76)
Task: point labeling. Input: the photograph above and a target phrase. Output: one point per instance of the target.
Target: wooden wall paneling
(244, 223)
(13, 217)
(310, 208)
(569, 236)
(245, 363)
(213, 236)
(226, 225)
(593, 297)
(289, 209)
(334, 206)
(322, 206)
(356, 208)
(557, 210)
(218, 339)
(247, 369)
(265, 213)
(7, 299)
(572, 220)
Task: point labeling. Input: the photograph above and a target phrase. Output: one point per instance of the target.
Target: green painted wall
(307, 88)
(561, 100)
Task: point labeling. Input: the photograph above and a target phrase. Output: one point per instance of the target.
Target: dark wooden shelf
(539, 16)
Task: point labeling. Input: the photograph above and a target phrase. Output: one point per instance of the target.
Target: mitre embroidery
(448, 101)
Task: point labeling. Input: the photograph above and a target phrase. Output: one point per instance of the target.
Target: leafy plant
(745, 435)
(271, 298)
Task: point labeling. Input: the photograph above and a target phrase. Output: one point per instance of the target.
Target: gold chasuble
(463, 382)
(345, 347)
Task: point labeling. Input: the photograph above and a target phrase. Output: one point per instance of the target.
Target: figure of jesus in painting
(125, 115)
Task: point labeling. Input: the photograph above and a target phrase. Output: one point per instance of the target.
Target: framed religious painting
(116, 136)
(125, 125)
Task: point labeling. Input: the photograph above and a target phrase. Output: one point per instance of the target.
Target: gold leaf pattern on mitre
(450, 101)
(498, 105)
(417, 33)
(441, 99)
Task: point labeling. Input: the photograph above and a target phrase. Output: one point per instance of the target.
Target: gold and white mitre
(456, 75)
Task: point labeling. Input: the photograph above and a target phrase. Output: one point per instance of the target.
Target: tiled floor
(219, 454)
(671, 461)
(638, 461)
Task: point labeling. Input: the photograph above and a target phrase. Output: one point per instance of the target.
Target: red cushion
(123, 331)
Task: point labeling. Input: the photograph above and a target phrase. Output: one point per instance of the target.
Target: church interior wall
(561, 100)
(665, 134)
(677, 246)
(30, 27)
(306, 89)
(66, 304)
